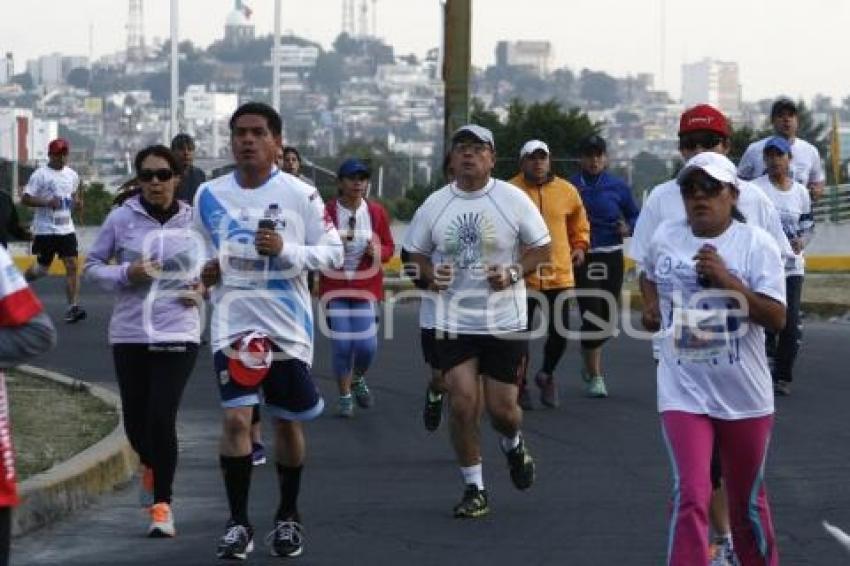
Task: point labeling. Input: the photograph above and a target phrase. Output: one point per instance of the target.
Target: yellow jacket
(561, 207)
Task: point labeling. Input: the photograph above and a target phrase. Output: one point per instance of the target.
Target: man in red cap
(53, 190)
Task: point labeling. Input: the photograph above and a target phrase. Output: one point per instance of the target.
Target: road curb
(72, 484)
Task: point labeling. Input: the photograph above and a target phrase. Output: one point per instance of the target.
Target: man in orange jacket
(562, 209)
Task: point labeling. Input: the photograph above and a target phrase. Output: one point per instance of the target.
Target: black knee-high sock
(237, 482)
(289, 480)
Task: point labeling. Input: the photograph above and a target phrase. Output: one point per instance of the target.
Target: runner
(613, 213)
(806, 164)
(191, 177)
(794, 205)
(703, 133)
(712, 284)
(560, 205)
(350, 295)
(25, 332)
(10, 224)
(265, 230)
(144, 253)
(466, 241)
(53, 190)
(290, 162)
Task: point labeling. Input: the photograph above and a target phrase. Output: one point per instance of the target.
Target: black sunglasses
(710, 187)
(147, 175)
(352, 223)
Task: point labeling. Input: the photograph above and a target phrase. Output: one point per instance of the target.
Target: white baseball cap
(531, 146)
(481, 133)
(716, 166)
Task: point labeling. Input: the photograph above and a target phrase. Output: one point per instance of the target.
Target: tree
(97, 202)
(547, 121)
(79, 77)
(648, 171)
(741, 139)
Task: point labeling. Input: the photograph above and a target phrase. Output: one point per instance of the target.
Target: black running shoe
(287, 538)
(75, 314)
(521, 465)
(432, 414)
(237, 542)
(473, 504)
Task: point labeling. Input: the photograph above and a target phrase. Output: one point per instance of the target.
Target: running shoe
(345, 407)
(236, 543)
(258, 453)
(782, 387)
(596, 387)
(473, 504)
(432, 414)
(286, 539)
(162, 521)
(146, 487)
(521, 465)
(361, 392)
(722, 554)
(548, 389)
(75, 313)
(524, 398)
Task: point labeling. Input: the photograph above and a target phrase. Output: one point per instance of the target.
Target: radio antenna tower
(364, 19)
(136, 31)
(348, 25)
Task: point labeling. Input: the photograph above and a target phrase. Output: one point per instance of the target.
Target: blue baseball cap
(778, 142)
(351, 167)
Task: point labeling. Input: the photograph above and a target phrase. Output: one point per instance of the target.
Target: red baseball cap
(58, 147)
(251, 359)
(703, 117)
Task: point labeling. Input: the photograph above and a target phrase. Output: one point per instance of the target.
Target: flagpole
(835, 149)
(175, 77)
(275, 58)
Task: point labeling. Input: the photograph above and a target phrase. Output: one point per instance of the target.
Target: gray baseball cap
(476, 131)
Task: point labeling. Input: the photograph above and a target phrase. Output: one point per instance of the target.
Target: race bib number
(242, 267)
(699, 335)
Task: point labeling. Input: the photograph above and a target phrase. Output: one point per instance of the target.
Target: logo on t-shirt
(469, 238)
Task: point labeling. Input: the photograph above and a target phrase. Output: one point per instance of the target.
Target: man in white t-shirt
(806, 164)
(53, 190)
(264, 230)
(473, 241)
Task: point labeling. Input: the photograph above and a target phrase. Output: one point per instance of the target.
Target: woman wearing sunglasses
(713, 285)
(350, 294)
(145, 254)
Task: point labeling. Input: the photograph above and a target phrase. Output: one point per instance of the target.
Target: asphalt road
(379, 489)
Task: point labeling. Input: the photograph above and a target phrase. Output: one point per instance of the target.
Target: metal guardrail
(834, 206)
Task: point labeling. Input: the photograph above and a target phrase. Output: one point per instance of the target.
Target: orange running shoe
(162, 521)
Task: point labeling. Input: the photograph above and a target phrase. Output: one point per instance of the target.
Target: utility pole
(457, 62)
(175, 66)
(276, 58)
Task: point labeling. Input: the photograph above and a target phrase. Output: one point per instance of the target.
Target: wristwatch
(514, 274)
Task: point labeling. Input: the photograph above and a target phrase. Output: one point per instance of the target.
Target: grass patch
(52, 422)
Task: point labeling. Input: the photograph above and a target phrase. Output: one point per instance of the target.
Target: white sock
(508, 443)
(472, 476)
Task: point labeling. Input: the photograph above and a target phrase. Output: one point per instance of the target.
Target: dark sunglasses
(147, 175)
(710, 187)
(352, 224)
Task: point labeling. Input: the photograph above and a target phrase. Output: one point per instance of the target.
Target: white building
(534, 55)
(237, 27)
(209, 111)
(712, 82)
(24, 138)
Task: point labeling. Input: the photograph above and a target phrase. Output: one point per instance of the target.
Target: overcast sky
(795, 47)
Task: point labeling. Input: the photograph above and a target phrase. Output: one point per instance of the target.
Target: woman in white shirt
(714, 285)
(794, 205)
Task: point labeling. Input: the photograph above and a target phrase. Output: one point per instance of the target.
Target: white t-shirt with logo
(806, 165)
(354, 241)
(470, 231)
(795, 211)
(47, 183)
(665, 204)
(258, 293)
(712, 358)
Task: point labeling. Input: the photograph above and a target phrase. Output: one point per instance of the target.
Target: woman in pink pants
(712, 285)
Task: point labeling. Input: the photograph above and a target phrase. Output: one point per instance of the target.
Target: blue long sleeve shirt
(607, 200)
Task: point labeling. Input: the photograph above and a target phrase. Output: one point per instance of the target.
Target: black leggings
(601, 271)
(556, 343)
(151, 383)
(5, 534)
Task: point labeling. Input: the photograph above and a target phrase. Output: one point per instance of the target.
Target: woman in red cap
(350, 294)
